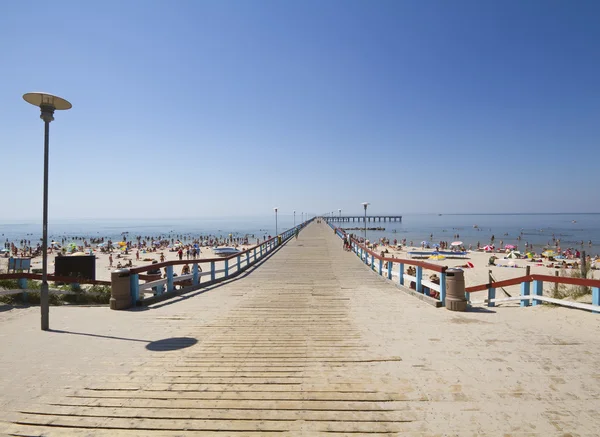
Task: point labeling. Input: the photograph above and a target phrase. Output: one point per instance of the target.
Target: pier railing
(393, 269)
(146, 287)
(532, 292)
(532, 286)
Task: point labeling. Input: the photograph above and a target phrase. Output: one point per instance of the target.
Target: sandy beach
(478, 274)
(104, 269)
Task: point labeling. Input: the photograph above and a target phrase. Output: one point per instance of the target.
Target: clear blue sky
(224, 108)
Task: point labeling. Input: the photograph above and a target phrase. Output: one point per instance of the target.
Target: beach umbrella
(122, 243)
(435, 245)
(530, 255)
(470, 264)
(424, 243)
(437, 257)
(79, 254)
(488, 248)
(549, 253)
(510, 246)
(514, 255)
(456, 243)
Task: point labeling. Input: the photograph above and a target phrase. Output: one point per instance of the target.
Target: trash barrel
(120, 294)
(279, 240)
(455, 290)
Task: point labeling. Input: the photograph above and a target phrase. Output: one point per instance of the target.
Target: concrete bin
(455, 290)
(120, 294)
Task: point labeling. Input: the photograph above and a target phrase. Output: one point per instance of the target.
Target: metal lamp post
(365, 204)
(47, 104)
(340, 213)
(294, 218)
(275, 209)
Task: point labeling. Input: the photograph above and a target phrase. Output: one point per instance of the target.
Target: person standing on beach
(110, 260)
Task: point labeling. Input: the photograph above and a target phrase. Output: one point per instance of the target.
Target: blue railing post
(212, 271)
(380, 266)
(596, 298)
(525, 292)
(443, 288)
(491, 295)
(134, 288)
(390, 267)
(419, 277)
(372, 261)
(195, 274)
(247, 259)
(239, 263)
(255, 254)
(538, 289)
(401, 274)
(226, 267)
(261, 251)
(22, 284)
(170, 284)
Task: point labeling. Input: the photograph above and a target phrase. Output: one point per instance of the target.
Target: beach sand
(479, 274)
(103, 268)
(473, 276)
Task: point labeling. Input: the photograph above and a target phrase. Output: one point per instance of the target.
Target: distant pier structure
(361, 218)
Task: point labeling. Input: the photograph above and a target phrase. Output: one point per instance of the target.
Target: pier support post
(525, 289)
(419, 276)
(195, 275)
(226, 267)
(443, 288)
(596, 298)
(491, 295)
(401, 274)
(247, 259)
(239, 262)
(538, 289)
(22, 283)
(380, 266)
(212, 271)
(389, 272)
(170, 283)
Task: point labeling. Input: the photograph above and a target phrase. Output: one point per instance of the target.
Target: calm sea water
(536, 229)
(115, 229)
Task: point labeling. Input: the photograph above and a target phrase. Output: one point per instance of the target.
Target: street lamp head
(275, 209)
(365, 204)
(48, 103)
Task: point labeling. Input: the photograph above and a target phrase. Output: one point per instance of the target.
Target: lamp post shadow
(164, 345)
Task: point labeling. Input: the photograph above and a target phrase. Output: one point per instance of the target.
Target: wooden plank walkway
(311, 342)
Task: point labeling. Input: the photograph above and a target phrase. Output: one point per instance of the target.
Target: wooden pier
(361, 218)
